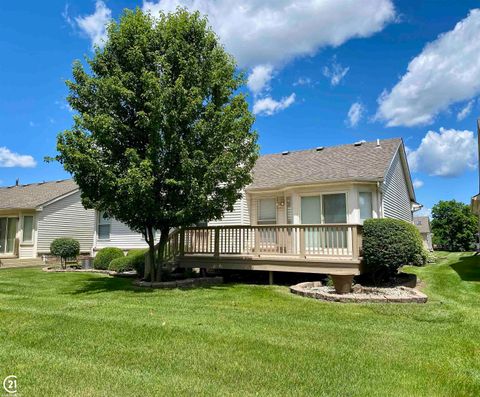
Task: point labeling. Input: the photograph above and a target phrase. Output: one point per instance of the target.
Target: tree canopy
(454, 226)
(162, 137)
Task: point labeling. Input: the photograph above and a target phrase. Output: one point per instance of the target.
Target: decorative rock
(360, 294)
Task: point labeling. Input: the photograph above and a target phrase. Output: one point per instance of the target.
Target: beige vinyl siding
(65, 218)
(396, 199)
(239, 215)
(121, 236)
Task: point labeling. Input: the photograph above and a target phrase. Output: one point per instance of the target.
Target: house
(32, 216)
(423, 225)
(302, 213)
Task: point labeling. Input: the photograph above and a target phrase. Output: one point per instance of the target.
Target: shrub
(105, 256)
(389, 244)
(135, 260)
(65, 248)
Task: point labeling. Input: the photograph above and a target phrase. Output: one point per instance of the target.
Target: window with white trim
(267, 211)
(104, 225)
(365, 204)
(27, 235)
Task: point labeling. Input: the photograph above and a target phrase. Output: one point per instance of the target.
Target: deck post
(355, 251)
(216, 249)
(270, 278)
(182, 242)
(302, 241)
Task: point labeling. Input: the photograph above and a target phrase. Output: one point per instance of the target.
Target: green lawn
(90, 335)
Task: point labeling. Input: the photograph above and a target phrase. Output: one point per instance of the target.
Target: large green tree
(453, 225)
(162, 137)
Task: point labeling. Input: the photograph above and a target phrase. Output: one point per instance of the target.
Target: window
(267, 211)
(335, 208)
(27, 229)
(103, 226)
(310, 210)
(365, 203)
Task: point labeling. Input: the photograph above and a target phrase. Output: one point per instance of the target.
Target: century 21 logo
(10, 384)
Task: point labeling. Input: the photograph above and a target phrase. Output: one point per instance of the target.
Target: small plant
(389, 244)
(105, 256)
(65, 248)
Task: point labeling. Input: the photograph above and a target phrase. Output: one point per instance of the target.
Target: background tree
(162, 137)
(454, 226)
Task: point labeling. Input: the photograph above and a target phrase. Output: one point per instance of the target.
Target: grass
(90, 335)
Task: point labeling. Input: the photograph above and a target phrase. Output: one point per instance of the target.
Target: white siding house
(334, 185)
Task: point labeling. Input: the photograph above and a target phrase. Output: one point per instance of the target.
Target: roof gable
(34, 195)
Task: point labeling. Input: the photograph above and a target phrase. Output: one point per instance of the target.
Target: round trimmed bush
(65, 248)
(389, 244)
(123, 264)
(135, 260)
(105, 256)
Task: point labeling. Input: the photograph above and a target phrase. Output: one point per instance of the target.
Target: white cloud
(273, 32)
(269, 106)
(335, 72)
(448, 153)
(417, 183)
(9, 159)
(303, 81)
(445, 72)
(66, 16)
(94, 25)
(465, 111)
(355, 114)
(259, 78)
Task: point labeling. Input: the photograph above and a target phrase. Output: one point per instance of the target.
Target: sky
(319, 73)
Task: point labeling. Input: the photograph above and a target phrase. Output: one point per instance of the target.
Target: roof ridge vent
(284, 153)
(359, 143)
(378, 142)
(319, 148)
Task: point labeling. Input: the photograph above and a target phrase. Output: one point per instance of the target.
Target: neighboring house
(32, 216)
(332, 190)
(423, 225)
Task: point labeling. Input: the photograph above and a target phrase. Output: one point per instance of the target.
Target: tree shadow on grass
(94, 285)
(468, 268)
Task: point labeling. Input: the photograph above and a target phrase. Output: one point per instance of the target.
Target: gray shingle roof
(422, 223)
(34, 195)
(365, 162)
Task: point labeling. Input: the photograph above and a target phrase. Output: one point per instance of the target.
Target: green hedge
(65, 248)
(105, 256)
(389, 244)
(135, 260)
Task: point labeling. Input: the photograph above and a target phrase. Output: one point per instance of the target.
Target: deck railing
(330, 240)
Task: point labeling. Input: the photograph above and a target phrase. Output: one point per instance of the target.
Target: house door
(8, 234)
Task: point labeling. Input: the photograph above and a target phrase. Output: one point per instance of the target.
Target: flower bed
(360, 294)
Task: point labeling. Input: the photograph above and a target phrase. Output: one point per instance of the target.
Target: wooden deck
(326, 248)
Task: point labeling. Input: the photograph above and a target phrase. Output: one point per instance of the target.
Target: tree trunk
(150, 239)
(164, 233)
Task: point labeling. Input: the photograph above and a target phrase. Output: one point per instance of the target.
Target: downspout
(379, 201)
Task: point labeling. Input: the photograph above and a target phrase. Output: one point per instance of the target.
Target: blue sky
(320, 73)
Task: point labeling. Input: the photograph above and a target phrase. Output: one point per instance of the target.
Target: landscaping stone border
(187, 283)
(51, 269)
(305, 289)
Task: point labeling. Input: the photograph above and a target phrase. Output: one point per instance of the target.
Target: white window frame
(371, 205)
(318, 194)
(266, 221)
(32, 229)
(104, 221)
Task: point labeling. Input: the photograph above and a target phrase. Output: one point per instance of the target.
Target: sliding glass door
(8, 234)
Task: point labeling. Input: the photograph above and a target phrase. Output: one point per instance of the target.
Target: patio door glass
(311, 214)
(8, 233)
